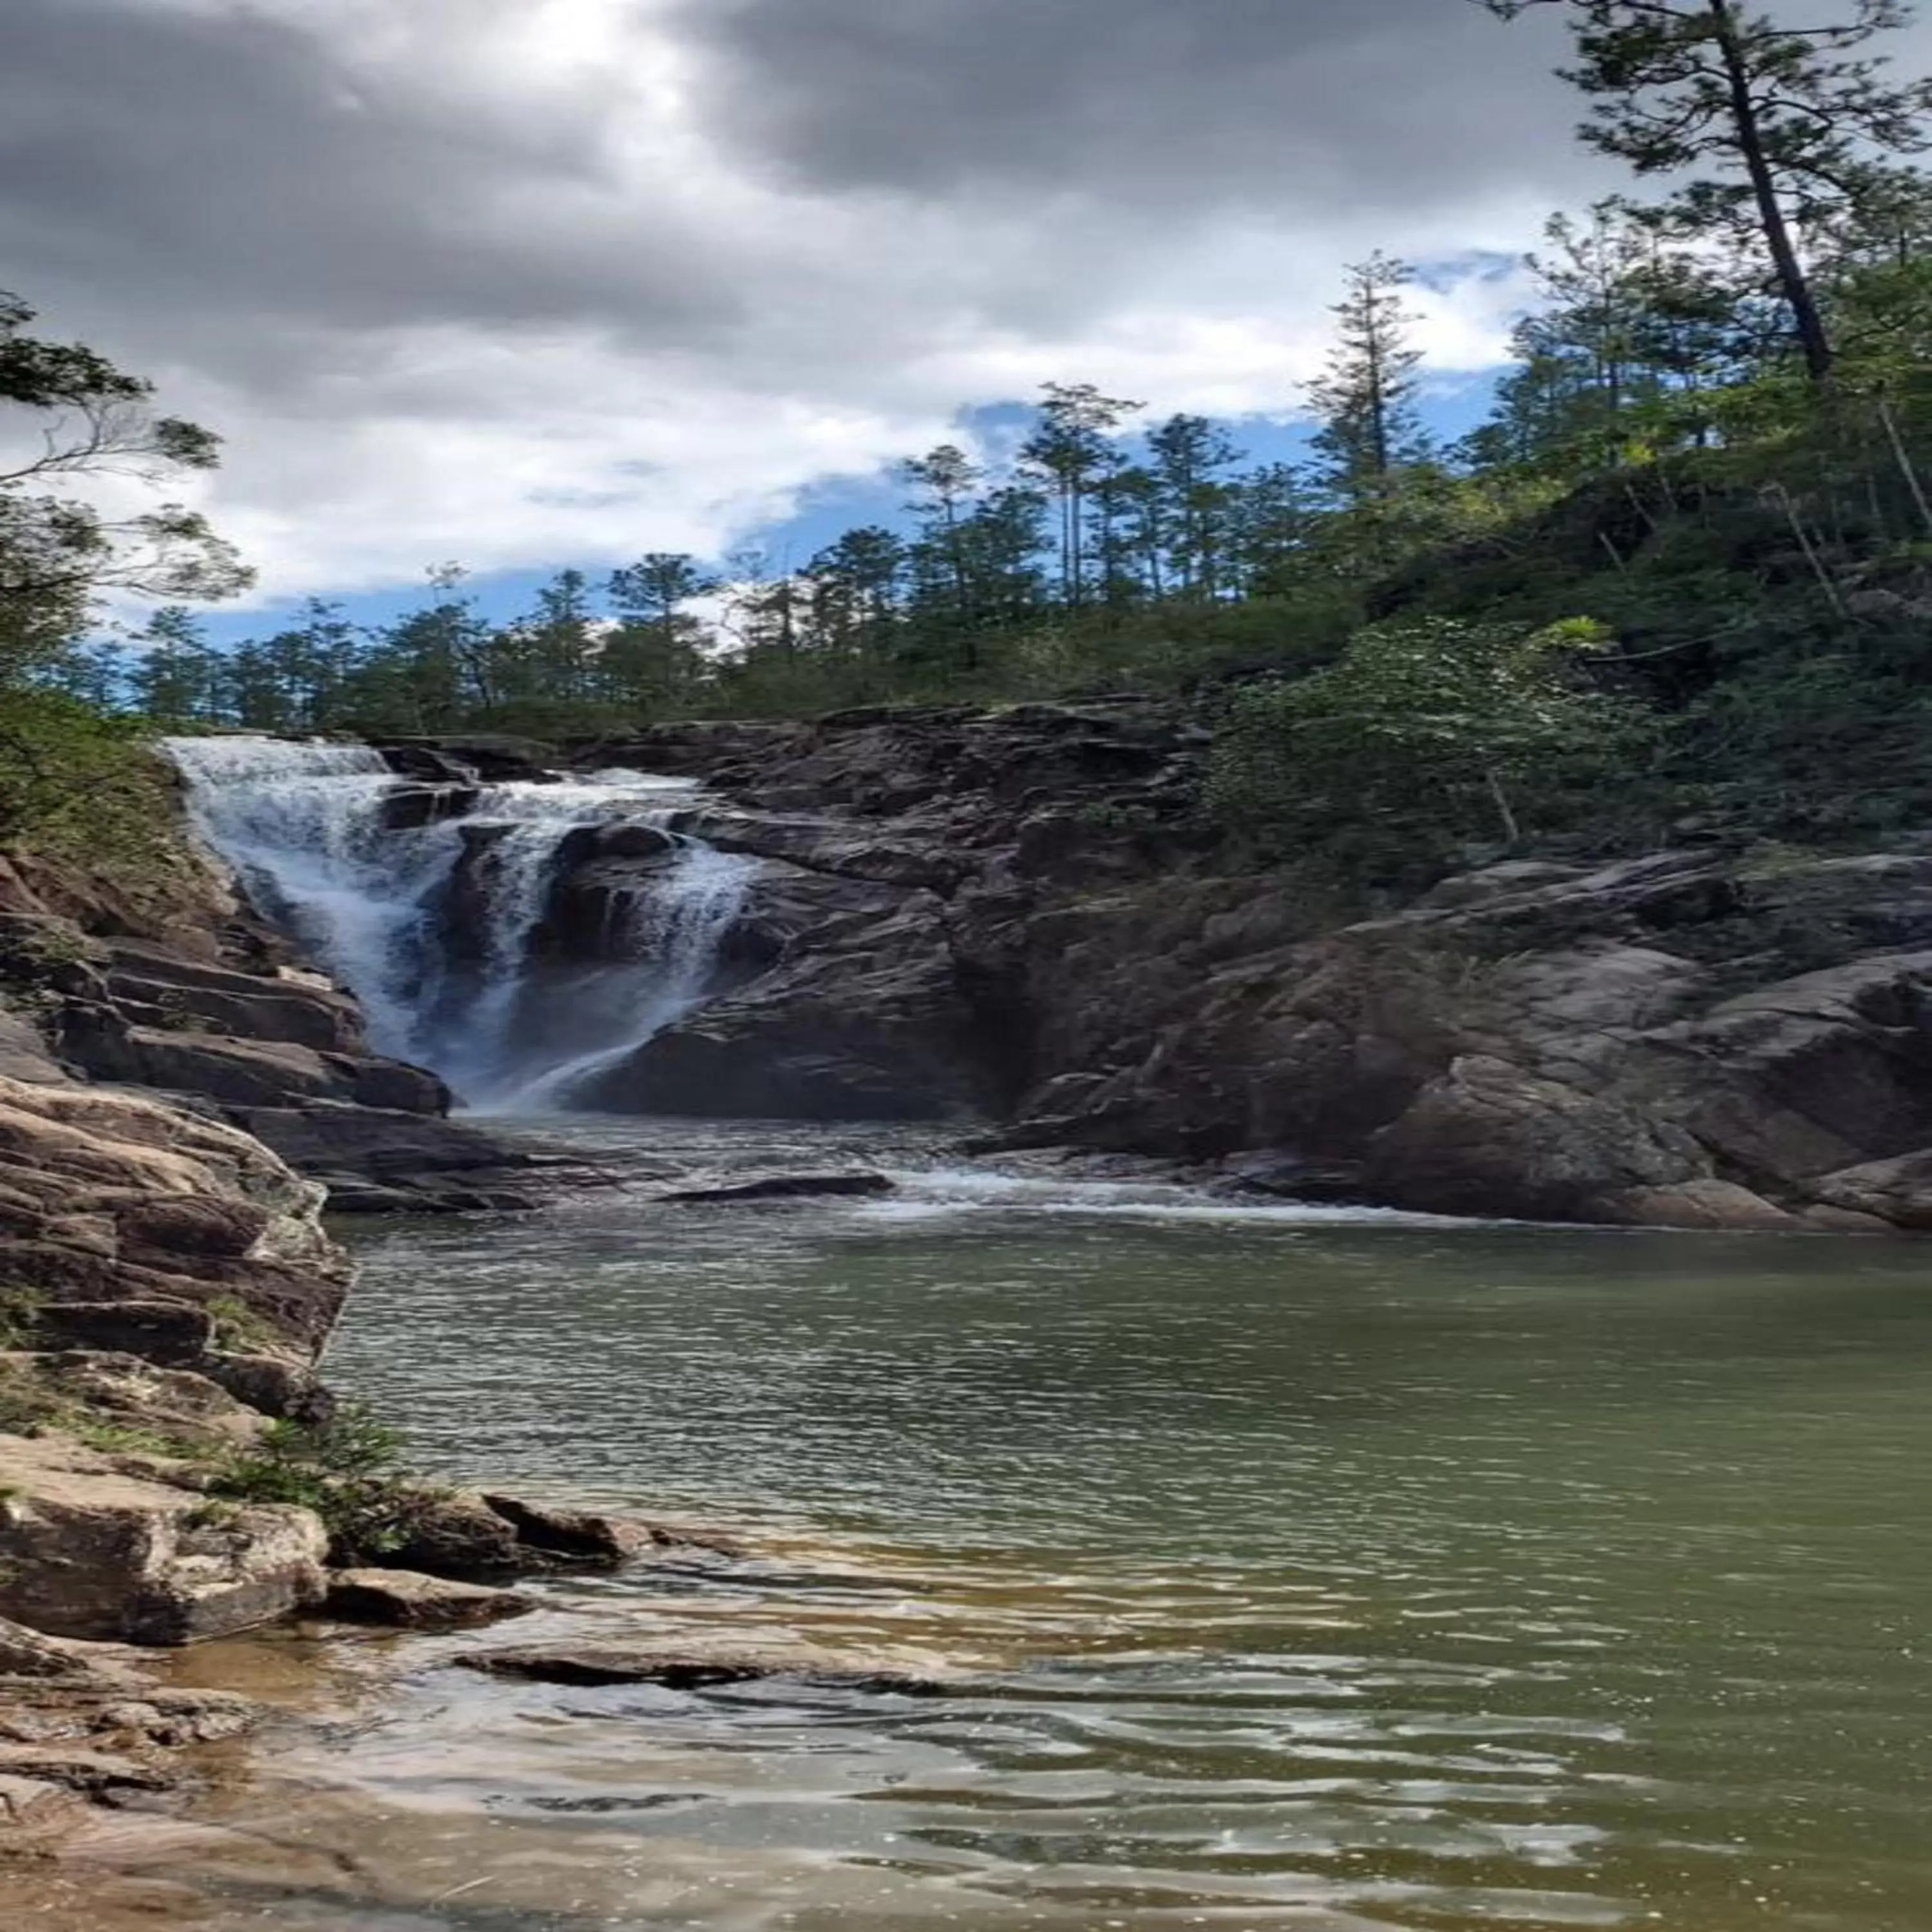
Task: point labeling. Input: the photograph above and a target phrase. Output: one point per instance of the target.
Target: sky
(522, 284)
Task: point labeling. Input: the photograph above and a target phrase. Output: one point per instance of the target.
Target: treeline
(1654, 386)
(1715, 443)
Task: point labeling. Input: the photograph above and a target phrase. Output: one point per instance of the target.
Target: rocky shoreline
(158, 1410)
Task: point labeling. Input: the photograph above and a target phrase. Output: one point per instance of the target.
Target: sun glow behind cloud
(574, 280)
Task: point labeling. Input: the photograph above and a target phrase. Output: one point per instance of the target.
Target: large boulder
(1490, 1139)
(89, 1551)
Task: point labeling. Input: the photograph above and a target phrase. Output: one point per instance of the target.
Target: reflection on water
(1299, 1570)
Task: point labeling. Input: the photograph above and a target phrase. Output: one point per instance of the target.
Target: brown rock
(75, 1768)
(460, 1537)
(24, 1055)
(576, 1535)
(33, 1810)
(26, 1653)
(88, 1551)
(398, 1600)
(130, 1216)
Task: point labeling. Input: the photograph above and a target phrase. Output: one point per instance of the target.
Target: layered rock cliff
(1015, 914)
(184, 989)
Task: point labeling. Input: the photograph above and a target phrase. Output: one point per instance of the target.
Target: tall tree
(1072, 448)
(173, 673)
(854, 587)
(1007, 542)
(68, 414)
(1793, 121)
(1190, 457)
(946, 478)
(425, 670)
(1366, 396)
(652, 654)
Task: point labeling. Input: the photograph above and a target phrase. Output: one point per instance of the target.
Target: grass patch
(239, 1329)
(20, 1317)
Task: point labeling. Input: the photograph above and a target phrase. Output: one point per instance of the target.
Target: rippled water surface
(1287, 1569)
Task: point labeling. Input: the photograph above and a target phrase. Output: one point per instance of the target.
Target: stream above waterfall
(325, 838)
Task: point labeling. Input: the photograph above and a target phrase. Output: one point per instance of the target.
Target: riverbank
(992, 927)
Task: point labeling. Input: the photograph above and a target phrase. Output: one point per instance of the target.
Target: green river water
(1288, 1569)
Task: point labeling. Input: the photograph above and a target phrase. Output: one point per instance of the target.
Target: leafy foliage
(71, 415)
(1425, 735)
(348, 1470)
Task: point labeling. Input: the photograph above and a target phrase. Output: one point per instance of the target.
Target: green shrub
(19, 1316)
(83, 791)
(1427, 736)
(347, 1470)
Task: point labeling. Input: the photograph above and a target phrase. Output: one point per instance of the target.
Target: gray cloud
(1265, 103)
(234, 162)
(574, 277)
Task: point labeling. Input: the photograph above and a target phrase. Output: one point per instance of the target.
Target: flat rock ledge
(81, 1726)
(400, 1600)
(591, 1666)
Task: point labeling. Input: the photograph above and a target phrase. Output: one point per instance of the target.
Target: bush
(82, 790)
(1426, 735)
(347, 1470)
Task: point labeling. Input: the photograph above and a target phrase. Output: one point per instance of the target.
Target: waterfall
(308, 827)
(302, 826)
(679, 926)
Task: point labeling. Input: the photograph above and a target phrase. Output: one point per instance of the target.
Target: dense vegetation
(1685, 569)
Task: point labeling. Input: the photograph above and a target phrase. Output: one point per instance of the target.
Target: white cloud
(522, 286)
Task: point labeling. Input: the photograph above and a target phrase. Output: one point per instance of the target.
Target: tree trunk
(1791, 275)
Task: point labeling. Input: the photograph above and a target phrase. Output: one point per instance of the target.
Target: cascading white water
(678, 926)
(302, 825)
(308, 825)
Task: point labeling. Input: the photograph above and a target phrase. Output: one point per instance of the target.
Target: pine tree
(1071, 448)
(947, 478)
(173, 674)
(854, 587)
(1794, 122)
(1190, 456)
(1366, 396)
(652, 656)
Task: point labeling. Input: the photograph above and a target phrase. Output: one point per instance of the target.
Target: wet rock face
(845, 992)
(1011, 913)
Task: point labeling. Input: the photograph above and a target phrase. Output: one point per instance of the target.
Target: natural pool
(1300, 1570)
